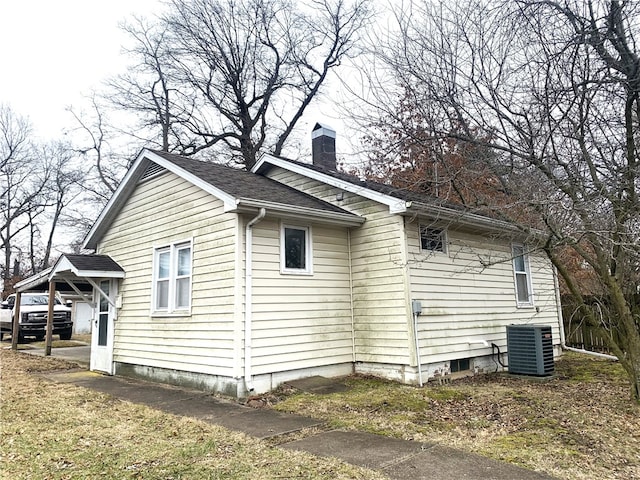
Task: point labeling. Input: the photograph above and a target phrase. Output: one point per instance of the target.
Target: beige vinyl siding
(300, 320)
(163, 210)
(380, 301)
(468, 294)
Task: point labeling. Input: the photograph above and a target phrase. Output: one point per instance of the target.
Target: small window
(459, 365)
(295, 245)
(522, 274)
(172, 278)
(433, 239)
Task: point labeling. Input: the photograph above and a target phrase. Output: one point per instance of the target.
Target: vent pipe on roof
(323, 146)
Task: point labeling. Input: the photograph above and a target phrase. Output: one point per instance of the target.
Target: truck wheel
(65, 334)
(39, 338)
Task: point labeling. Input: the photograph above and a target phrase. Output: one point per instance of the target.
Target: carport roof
(74, 268)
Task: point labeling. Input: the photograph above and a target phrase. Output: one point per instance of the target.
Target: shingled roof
(73, 267)
(400, 193)
(242, 184)
(240, 191)
(94, 262)
(399, 200)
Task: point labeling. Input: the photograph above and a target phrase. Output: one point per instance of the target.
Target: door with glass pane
(102, 330)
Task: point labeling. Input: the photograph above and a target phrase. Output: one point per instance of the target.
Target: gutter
(244, 205)
(248, 300)
(462, 217)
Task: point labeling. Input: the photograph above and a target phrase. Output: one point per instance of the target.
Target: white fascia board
(296, 212)
(63, 265)
(32, 281)
(128, 183)
(99, 274)
(117, 199)
(395, 204)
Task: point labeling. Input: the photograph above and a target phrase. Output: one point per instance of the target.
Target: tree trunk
(628, 337)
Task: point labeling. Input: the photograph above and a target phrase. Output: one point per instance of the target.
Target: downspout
(353, 318)
(248, 300)
(563, 345)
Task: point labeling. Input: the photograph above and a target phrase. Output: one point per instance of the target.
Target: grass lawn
(579, 425)
(53, 431)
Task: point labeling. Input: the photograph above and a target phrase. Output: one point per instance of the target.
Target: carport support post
(52, 299)
(15, 327)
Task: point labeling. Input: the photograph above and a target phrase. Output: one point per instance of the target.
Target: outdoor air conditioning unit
(530, 350)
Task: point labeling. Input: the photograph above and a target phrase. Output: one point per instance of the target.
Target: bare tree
(93, 136)
(152, 89)
(236, 75)
(64, 187)
(23, 182)
(553, 88)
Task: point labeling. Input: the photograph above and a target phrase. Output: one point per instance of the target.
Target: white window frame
(308, 270)
(443, 236)
(173, 249)
(517, 251)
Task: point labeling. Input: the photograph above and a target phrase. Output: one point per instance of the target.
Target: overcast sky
(54, 52)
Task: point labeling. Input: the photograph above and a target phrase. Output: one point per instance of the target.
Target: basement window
(459, 365)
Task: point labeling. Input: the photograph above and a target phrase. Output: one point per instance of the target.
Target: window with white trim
(433, 239)
(172, 278)
(522, 274)
(295, 250)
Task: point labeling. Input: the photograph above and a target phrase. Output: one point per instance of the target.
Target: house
(238, 281)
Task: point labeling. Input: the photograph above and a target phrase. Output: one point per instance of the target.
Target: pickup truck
(34, 309)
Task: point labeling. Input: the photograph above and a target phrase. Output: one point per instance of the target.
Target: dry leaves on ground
(579, 425)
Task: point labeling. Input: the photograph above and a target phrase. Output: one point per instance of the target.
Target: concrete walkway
(398, 459)
(80, 354)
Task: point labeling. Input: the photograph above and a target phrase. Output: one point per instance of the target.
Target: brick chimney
(323, 146)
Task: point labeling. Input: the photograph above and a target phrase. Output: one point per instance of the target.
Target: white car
(34, 309)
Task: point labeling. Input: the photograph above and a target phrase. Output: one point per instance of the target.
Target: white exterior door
(83, 317)
(102, 332)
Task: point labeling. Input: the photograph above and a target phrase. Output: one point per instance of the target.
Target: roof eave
(246, 205)
(115, 203)
(395, 204)
(128, 184)
(33, 280)
(463, 218)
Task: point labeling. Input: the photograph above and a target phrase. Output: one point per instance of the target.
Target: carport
(82, 273)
